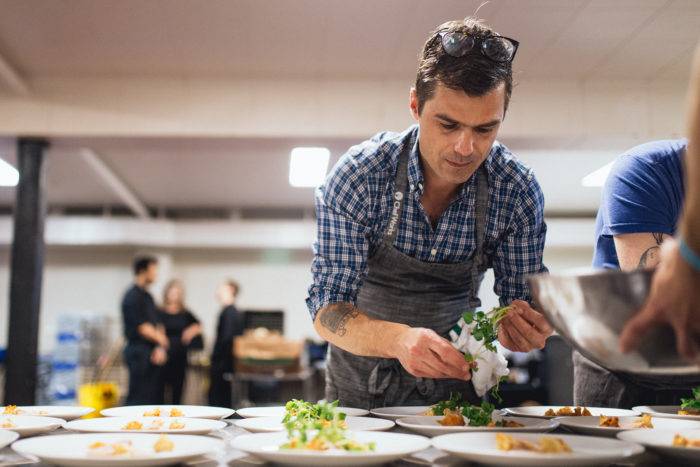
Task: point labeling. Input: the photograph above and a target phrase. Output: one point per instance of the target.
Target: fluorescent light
(307, 166)
(8, 174)
(597, 177)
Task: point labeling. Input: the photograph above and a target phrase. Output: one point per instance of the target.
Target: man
(675, 293)
(146, 342)
(640, 207)
(409, 222)
(230, 325)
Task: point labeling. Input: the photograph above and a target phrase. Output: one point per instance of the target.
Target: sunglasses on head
(497, 48)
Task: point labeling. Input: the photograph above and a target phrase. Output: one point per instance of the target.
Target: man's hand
(673, 300)
(523, 329)
(424, 354)
(159, 356)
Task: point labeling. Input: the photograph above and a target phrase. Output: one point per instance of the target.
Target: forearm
(150, 332)
(345, 326)
(690, 226)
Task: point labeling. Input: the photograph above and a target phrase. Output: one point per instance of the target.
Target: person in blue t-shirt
(640, 207)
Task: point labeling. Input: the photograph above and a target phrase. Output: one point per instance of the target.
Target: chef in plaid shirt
(409, 222)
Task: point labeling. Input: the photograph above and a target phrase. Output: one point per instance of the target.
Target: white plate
(193, 426)
(589, 425)
(481, 447)
(278, 411)
(539, 410)
(394, 413)
(29, 425)
(390, 447)
(73, 450)
(273, 424)
(429, 426)
(193, 411)
(66, 412)
(661, 441)
(7, 437)
(666, 411)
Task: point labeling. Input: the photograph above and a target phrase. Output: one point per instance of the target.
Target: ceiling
(582, 39)
(576, 40)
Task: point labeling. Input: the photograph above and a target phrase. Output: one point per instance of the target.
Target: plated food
(29, 425)
(66, 412)
(280, 411)
(545, 445)
(665, 411)
(318, 427)
(388, 447)
(431, 426)
(691, 406)
(188, 411)
(526, 449)
(610, 426)
(192, 426)
(678, 444)
(117, 449)
(552, 411)
(274, 424)
(567, 411)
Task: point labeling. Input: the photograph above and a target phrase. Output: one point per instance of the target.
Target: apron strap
(400, 192)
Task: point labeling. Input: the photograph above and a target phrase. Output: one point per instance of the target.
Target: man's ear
(413, 103)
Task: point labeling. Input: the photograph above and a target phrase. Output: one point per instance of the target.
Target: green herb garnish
(485, 329)
(692, 404)
(478, 415)
(318, 427)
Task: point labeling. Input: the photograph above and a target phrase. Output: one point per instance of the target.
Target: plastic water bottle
(64, 368)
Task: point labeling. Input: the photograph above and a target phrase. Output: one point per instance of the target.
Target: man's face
(457, 131)
(151, 273)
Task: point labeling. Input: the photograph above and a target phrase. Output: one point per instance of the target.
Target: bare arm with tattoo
(638, 250)
(421, 351)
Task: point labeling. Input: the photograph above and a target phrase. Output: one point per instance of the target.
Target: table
(233, 458)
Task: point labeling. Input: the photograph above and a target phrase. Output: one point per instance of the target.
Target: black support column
(26, 274)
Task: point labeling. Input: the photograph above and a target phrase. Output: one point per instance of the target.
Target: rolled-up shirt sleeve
(342, 243)
(520, 252)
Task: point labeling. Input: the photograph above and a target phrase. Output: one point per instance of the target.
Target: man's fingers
(519, 327)
(683, 344)
(635, 328)
(449, 355)
(519, 341)
(537, 320)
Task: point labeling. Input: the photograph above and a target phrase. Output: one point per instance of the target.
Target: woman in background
(229, 326)
(184, 332)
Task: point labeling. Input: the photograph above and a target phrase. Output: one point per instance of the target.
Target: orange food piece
(452, 418)
(611, 422)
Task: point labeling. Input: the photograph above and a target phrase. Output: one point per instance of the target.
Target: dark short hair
(142, 263)
(234, 286)
(474, 73)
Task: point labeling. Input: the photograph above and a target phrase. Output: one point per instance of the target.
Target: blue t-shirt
(643, 193)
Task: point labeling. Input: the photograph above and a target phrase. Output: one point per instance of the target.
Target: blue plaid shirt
(353, 208)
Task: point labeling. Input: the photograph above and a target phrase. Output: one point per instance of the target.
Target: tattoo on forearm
(651, 256)
(336, 316)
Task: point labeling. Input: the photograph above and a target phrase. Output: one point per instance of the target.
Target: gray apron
(595, 386)
(402, 289)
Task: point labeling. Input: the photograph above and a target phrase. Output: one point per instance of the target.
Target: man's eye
(449, 126)
(484, 131)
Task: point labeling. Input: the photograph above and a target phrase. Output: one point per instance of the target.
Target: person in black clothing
(146, 343)
(230, 325)
(184, 332)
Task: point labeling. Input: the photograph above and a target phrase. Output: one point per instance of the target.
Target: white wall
(91, 280)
